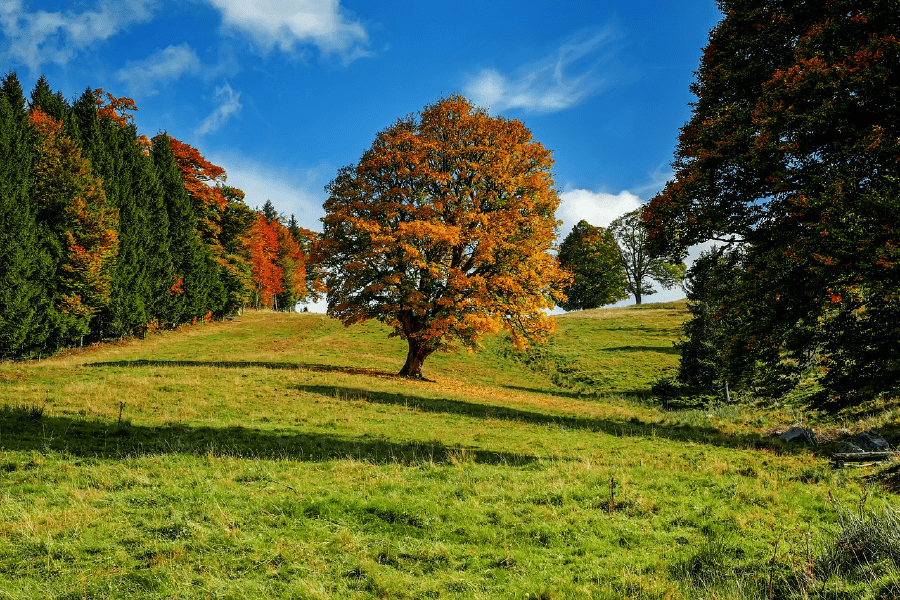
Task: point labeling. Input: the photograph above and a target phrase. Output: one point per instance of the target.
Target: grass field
(278, 456)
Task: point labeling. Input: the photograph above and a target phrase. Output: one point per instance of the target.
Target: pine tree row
(105, 234)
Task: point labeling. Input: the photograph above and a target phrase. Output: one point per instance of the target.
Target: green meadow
(278, 456)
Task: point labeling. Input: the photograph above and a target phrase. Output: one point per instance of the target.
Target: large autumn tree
(792, 154)
(442, 230)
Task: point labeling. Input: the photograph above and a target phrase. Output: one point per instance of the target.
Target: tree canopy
(442, 230)
(592, 255)
(791, 154)
(640, 267)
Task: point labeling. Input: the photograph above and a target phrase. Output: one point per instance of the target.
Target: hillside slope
(279, 456)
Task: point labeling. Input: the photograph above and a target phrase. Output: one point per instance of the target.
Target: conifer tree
(23, 264)
(51, 104)
(187, 285)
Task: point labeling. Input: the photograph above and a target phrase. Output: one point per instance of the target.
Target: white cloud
(547, 85)
(160, 67)
(287, 23)
(41, 37)
(300, 192)
(229, 104)
(597, 208)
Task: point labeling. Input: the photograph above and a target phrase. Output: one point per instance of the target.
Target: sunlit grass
(279, 456)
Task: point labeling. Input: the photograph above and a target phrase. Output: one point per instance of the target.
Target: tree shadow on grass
(633, 427)
(621, 428)
(244, 364)
(660, 349)
(28, 429)
(557, 392)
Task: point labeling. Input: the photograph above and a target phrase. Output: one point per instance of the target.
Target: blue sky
(281, 93)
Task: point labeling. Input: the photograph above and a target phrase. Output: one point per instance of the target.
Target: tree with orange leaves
(203, 181)
(443, 231)
(267, 273)
(81, 225)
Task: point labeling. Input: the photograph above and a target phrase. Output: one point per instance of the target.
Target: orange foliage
(443, 231)
(291, 260)
(77, 211)
(262, 244)
(114, 108)
(202, 180)
(200, 176)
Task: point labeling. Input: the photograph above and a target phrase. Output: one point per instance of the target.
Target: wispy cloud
(35, 38)
(229, 105)
(556, 83)
(167, 64)
(288, 23)
(656, 182)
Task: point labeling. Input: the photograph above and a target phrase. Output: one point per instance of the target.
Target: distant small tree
(640, 266)
(592, 255)
(270, 212)
(443, 231)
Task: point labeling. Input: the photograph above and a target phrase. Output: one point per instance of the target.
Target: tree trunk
(418, 352)
(637, 297)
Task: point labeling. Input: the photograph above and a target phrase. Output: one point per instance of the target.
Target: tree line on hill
(105, 233)
(444, 229)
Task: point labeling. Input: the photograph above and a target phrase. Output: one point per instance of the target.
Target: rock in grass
(800, 435)
(866, 441)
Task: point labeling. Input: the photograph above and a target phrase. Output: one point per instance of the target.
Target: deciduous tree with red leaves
(262, 244)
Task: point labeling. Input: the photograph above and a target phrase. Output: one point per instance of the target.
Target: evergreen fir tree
(51, 104)
(157, 254)
(23, 265)
(269, 212)
(188, 290)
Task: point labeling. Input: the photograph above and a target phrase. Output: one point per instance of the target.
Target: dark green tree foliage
(639, 265)
(23, 262)
(592, 256)
(708, 282)
(157, 240)
(186, 289)
(88, 248)
(132, 289)
(197, 288)
(237, 219)
(50, 103)
(78, 228)
(100, 143)
(269, 212)
(792, 149)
